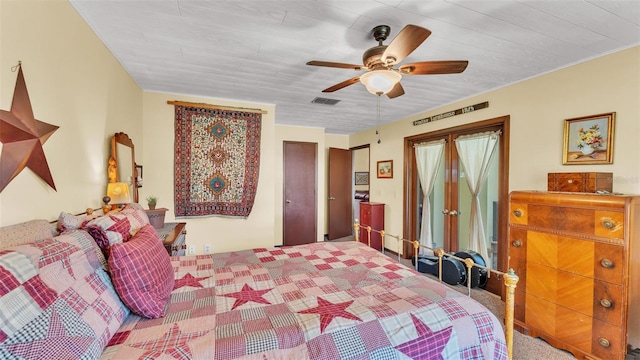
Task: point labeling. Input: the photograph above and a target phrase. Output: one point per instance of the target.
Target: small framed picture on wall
(588, 140)
(385, 169)
(362, 178)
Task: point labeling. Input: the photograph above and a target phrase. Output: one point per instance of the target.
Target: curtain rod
(209, 106)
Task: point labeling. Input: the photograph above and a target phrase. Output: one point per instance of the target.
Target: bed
(328, 300)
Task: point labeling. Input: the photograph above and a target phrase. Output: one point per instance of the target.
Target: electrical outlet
(192, 249)
(207, 249)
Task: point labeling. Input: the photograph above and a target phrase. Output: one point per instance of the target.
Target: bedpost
(356, 230)
(510, 281)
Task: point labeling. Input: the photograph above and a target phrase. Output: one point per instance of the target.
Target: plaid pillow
(56, 300)
(142, 274)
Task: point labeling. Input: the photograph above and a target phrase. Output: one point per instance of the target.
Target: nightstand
(173, 236)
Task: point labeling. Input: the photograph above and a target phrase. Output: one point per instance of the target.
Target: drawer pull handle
(604, 342)
(570, 181)
(517, 213)
(606, 303)
(606, 263)
(517, 243)
(608, 224)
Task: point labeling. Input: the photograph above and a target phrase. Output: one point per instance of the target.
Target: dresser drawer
(608, 302)
(561, 323)
(518, 213)
(609, 224)
(608, 341)
(609, 263)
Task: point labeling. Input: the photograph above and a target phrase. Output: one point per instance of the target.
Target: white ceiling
(256, 51)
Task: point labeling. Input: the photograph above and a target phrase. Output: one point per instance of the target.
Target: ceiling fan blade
(342, 84)
(396, 91)
(335, 65)
(434, 67)
(407, 40)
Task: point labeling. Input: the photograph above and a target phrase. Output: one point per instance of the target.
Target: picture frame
(361, 178)
(385, 169)
(588, 140)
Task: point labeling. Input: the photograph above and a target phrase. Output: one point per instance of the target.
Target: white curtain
(428, 156)
(475, 153)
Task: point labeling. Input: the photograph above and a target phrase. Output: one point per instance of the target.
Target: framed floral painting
(385, 169)
(589, 140)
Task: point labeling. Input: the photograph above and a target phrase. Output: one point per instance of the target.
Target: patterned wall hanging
(22, 137)
(217, 161)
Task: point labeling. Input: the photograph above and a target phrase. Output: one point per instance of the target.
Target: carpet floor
(524, 347)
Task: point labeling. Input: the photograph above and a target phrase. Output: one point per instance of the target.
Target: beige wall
(74, 83)
(537, 108)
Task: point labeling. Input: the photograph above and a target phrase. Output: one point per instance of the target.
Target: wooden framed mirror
(122, 163)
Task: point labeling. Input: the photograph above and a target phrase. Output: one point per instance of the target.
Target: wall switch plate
(192, 249)
(207, 249)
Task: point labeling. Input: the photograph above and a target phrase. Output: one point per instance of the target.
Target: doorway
(361, 177)
(300, 193)
(450, 200)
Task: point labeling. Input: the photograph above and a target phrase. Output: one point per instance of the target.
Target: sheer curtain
(428, 157)
(475, 153)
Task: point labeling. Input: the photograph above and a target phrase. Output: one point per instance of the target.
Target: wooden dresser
(578, 259)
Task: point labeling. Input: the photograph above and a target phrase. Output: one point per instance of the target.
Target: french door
(449, 203)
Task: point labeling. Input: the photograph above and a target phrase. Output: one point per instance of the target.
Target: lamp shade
(119, 193)
(380, 81)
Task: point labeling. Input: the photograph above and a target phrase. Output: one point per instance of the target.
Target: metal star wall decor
(22, 137)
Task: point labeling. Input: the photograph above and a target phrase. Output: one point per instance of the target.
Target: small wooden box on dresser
(578, 259)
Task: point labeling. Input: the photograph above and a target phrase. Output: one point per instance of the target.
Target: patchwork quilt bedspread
(319, 301)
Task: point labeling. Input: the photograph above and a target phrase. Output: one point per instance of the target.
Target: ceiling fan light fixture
(380, 81)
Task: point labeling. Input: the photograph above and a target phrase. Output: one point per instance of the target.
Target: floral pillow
(56, 300)
(68, 221)
(26, 232)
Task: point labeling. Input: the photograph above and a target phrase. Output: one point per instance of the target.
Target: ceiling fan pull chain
(378, 116)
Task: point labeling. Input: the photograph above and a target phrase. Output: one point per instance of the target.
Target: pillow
(134, 206)
(116, 228)
(68, 221)
(142, 274)
(26, 232)
(56, 299)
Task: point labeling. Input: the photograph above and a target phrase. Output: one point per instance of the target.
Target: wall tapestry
(217, 161)
(22, 137)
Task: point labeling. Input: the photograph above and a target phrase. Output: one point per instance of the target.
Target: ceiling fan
(379, 61)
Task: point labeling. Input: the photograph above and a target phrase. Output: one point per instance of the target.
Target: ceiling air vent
(325, 101)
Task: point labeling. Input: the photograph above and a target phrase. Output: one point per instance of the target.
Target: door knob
(331, 198)
(288, 201)
(445, 211)
(453, 213)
